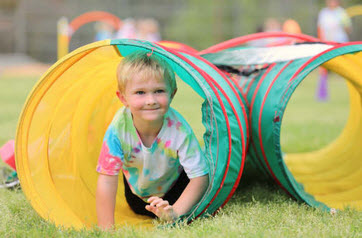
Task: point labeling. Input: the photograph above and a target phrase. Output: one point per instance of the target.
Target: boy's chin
(152, 118)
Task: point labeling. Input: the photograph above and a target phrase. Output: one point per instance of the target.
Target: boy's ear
(173, 94)
(121, 98)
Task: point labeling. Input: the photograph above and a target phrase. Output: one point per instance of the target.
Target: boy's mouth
(151, 109)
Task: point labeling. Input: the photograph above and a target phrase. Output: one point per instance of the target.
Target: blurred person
(128, 30)
(103, 31)
(272, 25)
(291, 26)
(333, 24)
(269, 25)
(148, 29)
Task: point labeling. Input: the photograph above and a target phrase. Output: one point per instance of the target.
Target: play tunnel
(329, 177)
(61, 128)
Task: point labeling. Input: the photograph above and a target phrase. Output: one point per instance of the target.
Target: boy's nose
(150, 99)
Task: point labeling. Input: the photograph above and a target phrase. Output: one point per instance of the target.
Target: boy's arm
(106, 200)
(189, 197)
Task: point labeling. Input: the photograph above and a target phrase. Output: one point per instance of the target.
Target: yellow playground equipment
(354, 10)
(63, 122)
(66, 30)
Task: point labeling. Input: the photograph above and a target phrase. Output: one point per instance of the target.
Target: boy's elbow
(205, 181)
(206, 178)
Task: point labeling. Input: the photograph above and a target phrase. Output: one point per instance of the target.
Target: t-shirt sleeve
(109, 161)
(192, 157)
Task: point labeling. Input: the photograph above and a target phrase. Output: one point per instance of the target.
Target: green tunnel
(329, 177)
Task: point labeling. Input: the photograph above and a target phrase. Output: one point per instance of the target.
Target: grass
(309, 124)
(13, 92)
(258, 209)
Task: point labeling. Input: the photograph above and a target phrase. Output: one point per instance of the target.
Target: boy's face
(148, 99)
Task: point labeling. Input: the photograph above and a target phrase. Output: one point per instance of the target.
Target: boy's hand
(161, 208)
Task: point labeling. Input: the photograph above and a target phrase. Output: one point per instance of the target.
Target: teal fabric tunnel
(267, 76)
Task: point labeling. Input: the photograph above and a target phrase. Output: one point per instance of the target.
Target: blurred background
(30, 26)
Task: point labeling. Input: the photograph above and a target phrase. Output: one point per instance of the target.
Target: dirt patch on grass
(19, 65)
(31, 69)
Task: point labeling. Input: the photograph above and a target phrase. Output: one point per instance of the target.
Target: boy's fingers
(151, 209)
(162, 204)
(150, 199)
(160, 208)
(156, 201)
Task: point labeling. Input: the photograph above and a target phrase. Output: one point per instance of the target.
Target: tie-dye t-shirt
(151, 171)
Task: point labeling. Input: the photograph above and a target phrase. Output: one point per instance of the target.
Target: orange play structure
(66, 31)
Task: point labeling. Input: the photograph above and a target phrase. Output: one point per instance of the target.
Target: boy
(152, 144)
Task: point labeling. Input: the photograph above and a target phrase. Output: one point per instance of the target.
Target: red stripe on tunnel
(251, 110)
(259, 128)
(239, 123)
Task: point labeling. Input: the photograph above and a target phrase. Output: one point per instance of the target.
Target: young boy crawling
(164, 171)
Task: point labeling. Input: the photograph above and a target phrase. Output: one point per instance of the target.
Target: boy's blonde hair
(147, 64)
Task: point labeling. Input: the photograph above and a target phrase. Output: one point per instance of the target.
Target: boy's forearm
(191, 195)
(106, 200)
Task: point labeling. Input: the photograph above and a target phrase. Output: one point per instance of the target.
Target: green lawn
(13, 92)
(258, 209)
(309, 124)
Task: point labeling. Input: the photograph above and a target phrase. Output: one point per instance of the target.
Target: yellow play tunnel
(64, 119)
(333, 174)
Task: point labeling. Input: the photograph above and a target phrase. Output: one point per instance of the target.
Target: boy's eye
(140, 92)
(160, 91)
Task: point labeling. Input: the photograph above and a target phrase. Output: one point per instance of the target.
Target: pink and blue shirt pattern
(151, 171)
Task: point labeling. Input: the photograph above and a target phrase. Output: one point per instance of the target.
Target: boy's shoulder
(121, 119)
(175, 120)
(121, 115)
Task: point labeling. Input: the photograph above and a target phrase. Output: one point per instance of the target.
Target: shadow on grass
(254, 186)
